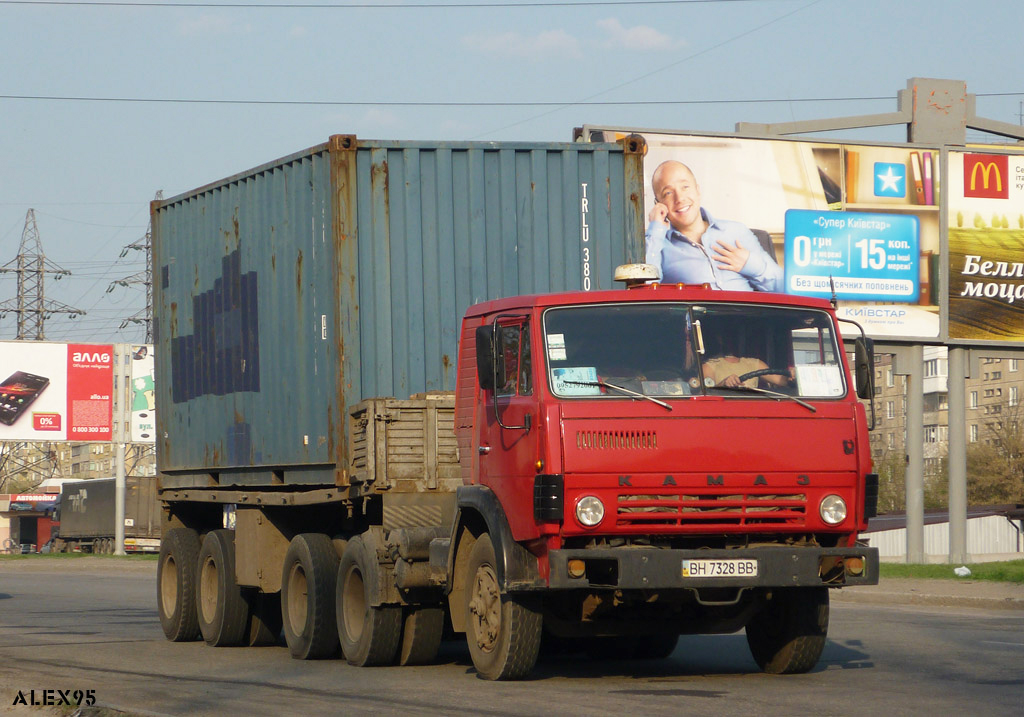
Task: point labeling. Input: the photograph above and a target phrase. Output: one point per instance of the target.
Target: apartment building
(993, 404)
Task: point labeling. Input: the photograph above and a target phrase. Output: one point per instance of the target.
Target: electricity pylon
(144, 277)
(31, 305)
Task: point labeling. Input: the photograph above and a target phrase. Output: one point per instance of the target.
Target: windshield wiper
(628, 392)
(774, 394)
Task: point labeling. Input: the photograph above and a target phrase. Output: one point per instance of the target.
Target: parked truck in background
(565, 465)
(88, 522)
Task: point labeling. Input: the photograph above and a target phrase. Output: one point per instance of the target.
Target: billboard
(56, 392)
(142, 386)
(860, 222)
(986, 246)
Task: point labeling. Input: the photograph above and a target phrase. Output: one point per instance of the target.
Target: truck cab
(661, 460)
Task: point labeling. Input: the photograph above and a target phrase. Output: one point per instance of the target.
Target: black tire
(422, 630)
(788, 634)
(502, 632)
(222, 611)
(307, 597)
(368, 635)
(176, 584)
(265, 618)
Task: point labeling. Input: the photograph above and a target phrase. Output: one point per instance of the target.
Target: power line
(376, 6)
(661, 69)
(345, 103)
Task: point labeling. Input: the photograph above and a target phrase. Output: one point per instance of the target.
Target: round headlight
(833, 509)
(590, 511)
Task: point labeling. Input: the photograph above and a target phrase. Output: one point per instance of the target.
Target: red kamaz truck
(606, 470)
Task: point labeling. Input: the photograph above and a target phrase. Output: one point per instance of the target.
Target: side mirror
(490, 366)
(485, 357)
(864, 366)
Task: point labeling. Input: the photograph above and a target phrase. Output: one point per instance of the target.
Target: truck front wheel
(223, 612)
(176, 584)
(788, 634)
(369, 635)
(503, 633)
(307, 597)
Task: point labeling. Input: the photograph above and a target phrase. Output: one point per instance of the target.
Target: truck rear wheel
(422, 630)
(307, 597)
(265, 623)
(502, 632)
(223, 612)
(788, 634)
(176, 584)
(369, 635)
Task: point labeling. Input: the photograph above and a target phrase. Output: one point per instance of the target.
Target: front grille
(710, 510)
(616, 440)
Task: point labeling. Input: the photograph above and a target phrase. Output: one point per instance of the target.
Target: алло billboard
(801, 217)
(56, 392)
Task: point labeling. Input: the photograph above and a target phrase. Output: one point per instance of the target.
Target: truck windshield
(675, 350)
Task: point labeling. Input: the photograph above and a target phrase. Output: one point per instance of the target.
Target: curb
(883, 596)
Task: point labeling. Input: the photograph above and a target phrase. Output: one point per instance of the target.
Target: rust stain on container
(298, 273)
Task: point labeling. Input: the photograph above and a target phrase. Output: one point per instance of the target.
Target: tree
(995, 464)
(891, 467)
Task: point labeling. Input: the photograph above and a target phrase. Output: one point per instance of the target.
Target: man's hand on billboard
(659, 213)
(730, 257)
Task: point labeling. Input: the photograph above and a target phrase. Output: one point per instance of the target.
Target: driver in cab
(727, 371)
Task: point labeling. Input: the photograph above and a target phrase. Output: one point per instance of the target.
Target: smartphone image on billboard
(17, 393)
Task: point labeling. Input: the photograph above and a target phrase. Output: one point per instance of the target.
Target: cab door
(508, 435)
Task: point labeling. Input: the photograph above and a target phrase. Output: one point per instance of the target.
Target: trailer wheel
(176, 584)
(223, 613)
(503, 633)
(788, 634)
(265, 623)
(422, 630)
(307, 597)
(369, 635)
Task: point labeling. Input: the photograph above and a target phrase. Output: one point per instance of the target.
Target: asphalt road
(91, 624)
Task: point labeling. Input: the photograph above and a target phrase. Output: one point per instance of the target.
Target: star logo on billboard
(986, 176)
(890, 179)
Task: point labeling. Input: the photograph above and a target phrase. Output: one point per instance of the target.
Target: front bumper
(652, 568)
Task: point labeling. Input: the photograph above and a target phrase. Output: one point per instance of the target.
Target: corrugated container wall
(287, 293)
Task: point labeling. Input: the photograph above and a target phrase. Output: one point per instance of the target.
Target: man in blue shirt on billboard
(689, 246)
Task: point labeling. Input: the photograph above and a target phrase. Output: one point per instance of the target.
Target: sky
(102, 104)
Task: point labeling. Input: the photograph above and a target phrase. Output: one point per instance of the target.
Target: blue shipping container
(287, 293)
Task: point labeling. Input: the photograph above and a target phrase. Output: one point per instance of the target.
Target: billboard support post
(959, 371)
(119, 415)
(909, 361)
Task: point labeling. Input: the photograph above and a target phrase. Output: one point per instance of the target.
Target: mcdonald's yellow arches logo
(986, 176)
